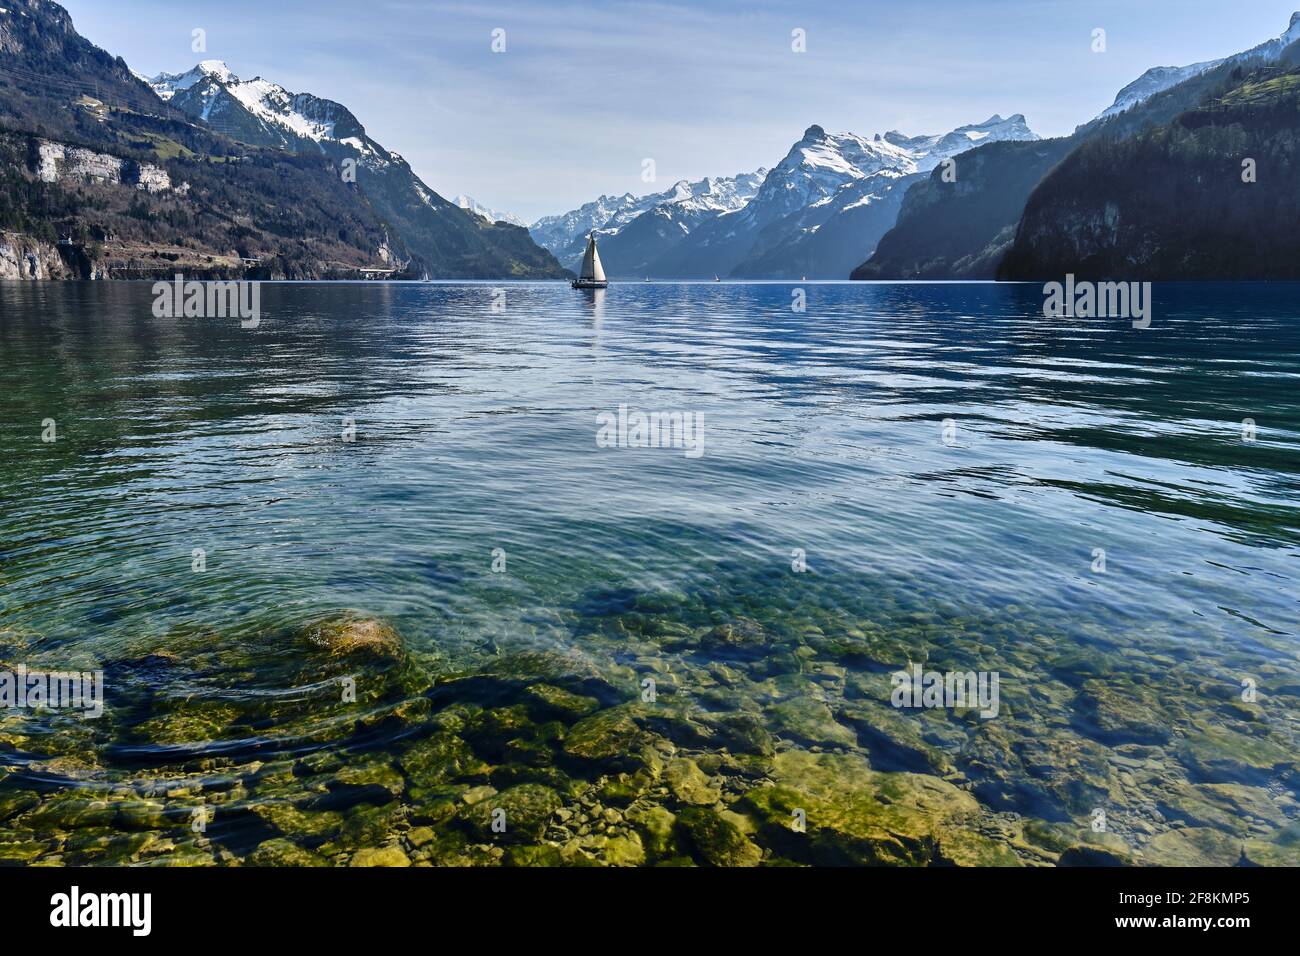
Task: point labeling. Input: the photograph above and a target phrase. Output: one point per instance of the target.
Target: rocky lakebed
(665, 729)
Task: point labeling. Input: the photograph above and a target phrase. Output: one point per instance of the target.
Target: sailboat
(593, 273)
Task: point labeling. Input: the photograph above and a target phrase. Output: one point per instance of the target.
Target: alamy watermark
(209, 300)
(1098, 300)
(635, 429)
(21, 689)
(75, 909)
(950, 689)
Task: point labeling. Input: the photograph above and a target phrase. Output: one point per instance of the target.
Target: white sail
(591, 267)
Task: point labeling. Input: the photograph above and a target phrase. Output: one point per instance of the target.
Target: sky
(585, 91)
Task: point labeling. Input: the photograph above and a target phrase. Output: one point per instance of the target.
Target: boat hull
(590, 284)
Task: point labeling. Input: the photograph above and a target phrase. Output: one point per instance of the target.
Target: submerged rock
(382, 856)
(1280, 849)
(656, 826)
(1121, 713)
(742, 634)
(353, 635)
(16, 849)
(624, 850)
(1221, 755)
(810, 721)
(302, 824)
(441, 758)
(1194, 846)
(281, 852)
(851, 814)
(195, 722)
(742, 734)
(610, 737)
(524, 811)
(1084, 854)
(548, 702)
(689, 784)
(716, 840)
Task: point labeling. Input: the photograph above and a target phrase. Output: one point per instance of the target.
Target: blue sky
(586, 90)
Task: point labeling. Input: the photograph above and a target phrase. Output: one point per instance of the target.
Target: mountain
(949, 230)
(816, 213)
(564, 233)
(826, 204)
(1172, 202)
(1160, 78)
(635, 248)
(963, 230)
(99, 177)
(829, 237)
(1153, 81)
(105, 175)
(682, 207)
(491, 215)
(444, 239)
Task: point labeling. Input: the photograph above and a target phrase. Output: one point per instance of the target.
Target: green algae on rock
(717, 840)
(519, 814)
(792, 755)
(834, 809)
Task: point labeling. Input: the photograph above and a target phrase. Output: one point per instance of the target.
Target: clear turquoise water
(823, 431)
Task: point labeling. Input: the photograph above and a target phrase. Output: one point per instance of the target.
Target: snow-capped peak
(218, 70)
(491, 215)
(685, 203)
(296, 114)
(167, 85)
(822, 163)
(1161, 78)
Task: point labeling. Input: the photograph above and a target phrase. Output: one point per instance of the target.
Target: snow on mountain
(832, 170)
(818, 165)
(712, 194)
(608, 214)
(813, 212)
(262, 112)
(1153, 81)
(167, 85)
(641, 243)
(1161, 78)
(929, 151)
(717, 225)
(445, 238)
(491, 215)
(684, 204)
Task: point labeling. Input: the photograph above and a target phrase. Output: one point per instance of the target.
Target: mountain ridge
(964, 230)
(815, 213)
(445, 240)
(216, 177)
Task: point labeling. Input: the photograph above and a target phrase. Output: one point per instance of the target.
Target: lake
(366, 585)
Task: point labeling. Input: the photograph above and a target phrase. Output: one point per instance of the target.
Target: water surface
(952, 464)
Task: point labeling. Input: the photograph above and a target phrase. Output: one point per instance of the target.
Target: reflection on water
(1074, 505)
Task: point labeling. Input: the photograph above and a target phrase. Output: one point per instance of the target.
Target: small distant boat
(593, 273)
(716, 279)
